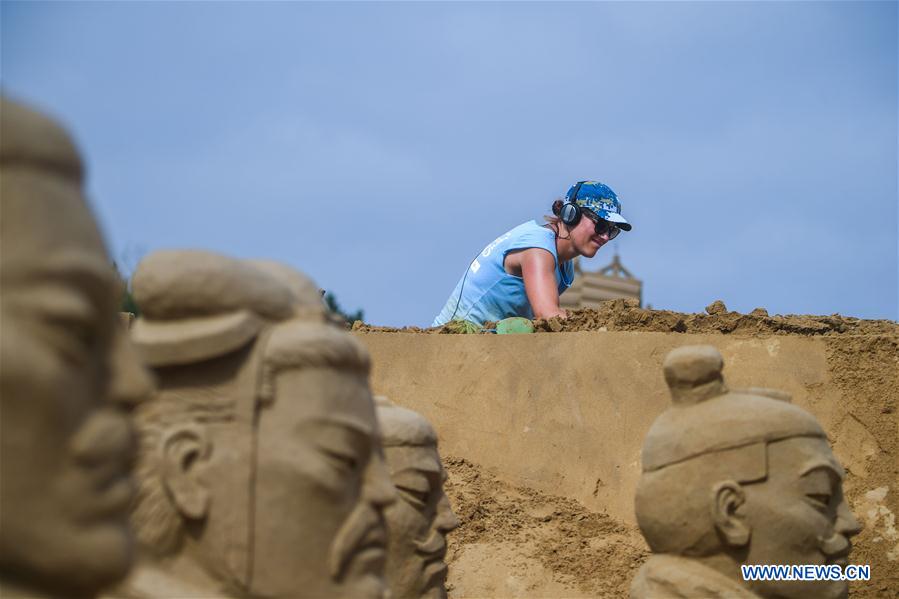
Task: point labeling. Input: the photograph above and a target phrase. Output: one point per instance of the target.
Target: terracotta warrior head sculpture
(68, 377)
(735, 478)
(420, 520)
(260, 470)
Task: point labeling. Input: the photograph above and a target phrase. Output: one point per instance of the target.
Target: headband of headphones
(577, 188)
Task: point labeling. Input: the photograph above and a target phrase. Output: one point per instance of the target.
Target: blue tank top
(487, 292)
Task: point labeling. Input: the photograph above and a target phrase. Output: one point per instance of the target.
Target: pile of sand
(515, 541)
(626, 315)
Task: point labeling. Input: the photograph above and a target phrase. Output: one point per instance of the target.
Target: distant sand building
(611, 282)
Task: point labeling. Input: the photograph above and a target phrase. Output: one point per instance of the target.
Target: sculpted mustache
(363, 526)
(435, 545)
(105, 437)
(836, 545)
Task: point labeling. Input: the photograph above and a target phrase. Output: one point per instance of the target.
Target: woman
(523, 272)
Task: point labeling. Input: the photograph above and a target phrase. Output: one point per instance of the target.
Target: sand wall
(566, 413)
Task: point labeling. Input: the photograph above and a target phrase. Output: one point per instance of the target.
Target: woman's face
(584, 237)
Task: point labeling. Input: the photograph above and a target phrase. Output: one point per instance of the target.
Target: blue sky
(379, 146)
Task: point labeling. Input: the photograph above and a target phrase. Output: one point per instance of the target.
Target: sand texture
(542, 433)
(515, 541)
(626, 315)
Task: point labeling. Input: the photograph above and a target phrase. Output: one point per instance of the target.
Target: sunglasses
(603, 227)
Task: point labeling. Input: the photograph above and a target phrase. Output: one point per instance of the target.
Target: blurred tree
(126, 303)
(331, 302)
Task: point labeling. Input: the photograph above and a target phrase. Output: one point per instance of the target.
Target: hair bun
(557, 207)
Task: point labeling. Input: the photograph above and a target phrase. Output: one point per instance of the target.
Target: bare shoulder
(530, 258)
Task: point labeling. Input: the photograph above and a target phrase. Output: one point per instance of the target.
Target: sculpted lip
(433, 573)
(842, 558)
(431, 556)
(435, 566)
(842, 562)
(836, 549)
(371, 552)
(375, 537)
(114, 499)
(360, 544)
(110, 486)
(371, 558)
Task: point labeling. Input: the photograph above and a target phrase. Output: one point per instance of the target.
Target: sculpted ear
(726, 499)
(184, 449)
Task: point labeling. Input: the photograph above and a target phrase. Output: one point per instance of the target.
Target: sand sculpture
(732, 478)
(420, 520)
(260, 471)
(69, 377)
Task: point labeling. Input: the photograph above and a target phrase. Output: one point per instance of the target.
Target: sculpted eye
(342, 461)
(819, 500)
(416, 498)
(416, 487)
(84, 332)
(75, 337)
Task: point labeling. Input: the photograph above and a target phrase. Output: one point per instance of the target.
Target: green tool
(514, 325)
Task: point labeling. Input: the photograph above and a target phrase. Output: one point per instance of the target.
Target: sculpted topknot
(32, 139)
(693, 373)
(705, 417)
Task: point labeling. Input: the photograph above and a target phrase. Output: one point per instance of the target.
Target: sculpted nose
(379, 490)
(446, 519)
(847, 524)
(131, 383)
(104, 437)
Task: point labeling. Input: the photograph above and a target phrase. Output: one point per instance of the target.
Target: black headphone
(570, 213)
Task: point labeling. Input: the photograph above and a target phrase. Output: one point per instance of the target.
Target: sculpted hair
(672, 504)
(402, 427)
(302, 344)
(200, 394)
(156, 520)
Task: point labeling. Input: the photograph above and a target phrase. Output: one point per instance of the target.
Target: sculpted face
(261, 472)
(418, 522)
(799, 516)
(732, 478)
(321, 487)
(69, 380)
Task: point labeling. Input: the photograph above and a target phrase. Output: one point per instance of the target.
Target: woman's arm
(538, 269)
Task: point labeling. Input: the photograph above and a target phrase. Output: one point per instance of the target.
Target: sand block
(566, 413)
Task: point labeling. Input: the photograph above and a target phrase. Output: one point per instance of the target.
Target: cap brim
(614, 217)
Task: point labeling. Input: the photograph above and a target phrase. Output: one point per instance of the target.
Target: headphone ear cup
(570, 214)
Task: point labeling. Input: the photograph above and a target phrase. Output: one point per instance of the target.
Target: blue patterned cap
(601, 200)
